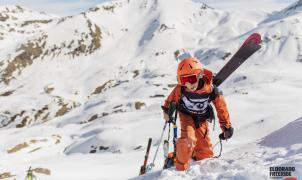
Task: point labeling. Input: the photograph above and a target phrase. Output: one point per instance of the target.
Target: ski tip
(254, 38)
(257, 38)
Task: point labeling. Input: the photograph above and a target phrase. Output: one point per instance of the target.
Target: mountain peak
(291, 10)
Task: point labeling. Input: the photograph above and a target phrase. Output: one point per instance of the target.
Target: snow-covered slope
(81, 94)
(282, 148)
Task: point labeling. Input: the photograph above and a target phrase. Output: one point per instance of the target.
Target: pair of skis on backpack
(248, 48)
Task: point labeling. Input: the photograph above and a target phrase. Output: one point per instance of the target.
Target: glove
(168, 112)
(166, 117)
(227, 134)
(165, 112)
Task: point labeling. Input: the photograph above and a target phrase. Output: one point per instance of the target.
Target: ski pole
(175, 130)
(149, 167)
(169, 161)
(143, 167)
(171, 110)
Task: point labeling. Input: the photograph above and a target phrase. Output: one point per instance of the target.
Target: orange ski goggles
(192, 79)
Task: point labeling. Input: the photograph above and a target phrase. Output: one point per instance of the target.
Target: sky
(70, 7)
(58, 7)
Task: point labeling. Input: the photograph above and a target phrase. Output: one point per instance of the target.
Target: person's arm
(222, 111)
(174, 96)
(223, 116)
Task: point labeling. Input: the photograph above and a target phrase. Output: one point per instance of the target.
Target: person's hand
(165, 113)
(166, 116)
(227, 134)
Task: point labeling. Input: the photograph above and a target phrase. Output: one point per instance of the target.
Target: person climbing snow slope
(193, 95)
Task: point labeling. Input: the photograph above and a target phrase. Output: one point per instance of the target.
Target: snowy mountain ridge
(88, 88)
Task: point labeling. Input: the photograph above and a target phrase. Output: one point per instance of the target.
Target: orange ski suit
(195, 140)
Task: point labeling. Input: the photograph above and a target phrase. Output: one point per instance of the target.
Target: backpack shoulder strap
(215, 92)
